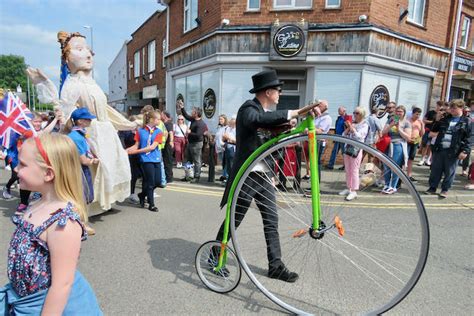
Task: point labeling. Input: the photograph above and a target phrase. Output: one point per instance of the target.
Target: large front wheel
(369, 269)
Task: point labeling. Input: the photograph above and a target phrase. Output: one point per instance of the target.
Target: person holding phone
(399, 130)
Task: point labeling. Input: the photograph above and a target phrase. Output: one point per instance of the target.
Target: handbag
(383, 143)
(351, 151)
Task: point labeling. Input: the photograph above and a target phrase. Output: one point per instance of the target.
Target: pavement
(142, 263)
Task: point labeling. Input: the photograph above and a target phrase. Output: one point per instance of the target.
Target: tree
(12, 72)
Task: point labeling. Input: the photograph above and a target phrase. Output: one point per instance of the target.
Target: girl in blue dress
(44, 250)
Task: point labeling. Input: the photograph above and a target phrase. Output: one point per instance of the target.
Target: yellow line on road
(335, 203)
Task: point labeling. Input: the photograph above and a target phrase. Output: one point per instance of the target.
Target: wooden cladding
(363, 41)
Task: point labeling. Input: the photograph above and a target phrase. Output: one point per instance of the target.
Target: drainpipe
(453, 50)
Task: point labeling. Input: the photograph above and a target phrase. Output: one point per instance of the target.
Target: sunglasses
(277, 89)
(356, 113)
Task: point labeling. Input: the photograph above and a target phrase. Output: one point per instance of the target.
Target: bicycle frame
(306, 126)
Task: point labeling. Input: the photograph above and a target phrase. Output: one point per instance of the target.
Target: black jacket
(250, 118)
(460, 135)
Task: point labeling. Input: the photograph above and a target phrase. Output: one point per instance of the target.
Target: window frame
(466, 38)
(143, 59)
(291, 6)
(254, 9)
(151, 59)
(331, 6)
(163, 46)
(421, 23)
(192, 15)
(136, 64)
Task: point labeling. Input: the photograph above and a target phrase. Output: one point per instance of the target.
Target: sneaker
(430, 191)
(305, 177)
(283, 274)
(428, 163)
(413, 179)
(344, 192)
(391, 191)
(421, 162)
(385, 189)
(330, 167)
(153, 208)
(6, 194)
(179, 165)
(134, 198)
(351, 196)
(443, 194)
(21, 207)
(469, 186)
(90, 231)
(341, 168)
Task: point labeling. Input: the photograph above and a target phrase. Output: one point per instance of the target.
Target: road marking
(333, 203)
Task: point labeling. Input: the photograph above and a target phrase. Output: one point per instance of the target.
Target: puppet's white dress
(112, 176)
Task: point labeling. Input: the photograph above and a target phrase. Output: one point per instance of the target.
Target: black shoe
(142, 200)
(329, 167)
(281, 187)
(341, 168)
(305, 177)
(153, 208)
(413, 179)
(282, 273)
(222, 178)
(430, 191)
(186, 179)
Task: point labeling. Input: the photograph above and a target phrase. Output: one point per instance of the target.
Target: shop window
(329, 85)
(416, 11)
(151, 56)
(253, 5)
(466, 24)
(190, 14)
(333, 4)
(236, 84)
(292, 4)
(136, 64)
(290, 85)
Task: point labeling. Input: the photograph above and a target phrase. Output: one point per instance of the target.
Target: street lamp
(92, 42)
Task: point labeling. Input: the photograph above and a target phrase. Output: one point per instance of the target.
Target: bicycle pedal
(300, 233)
(338, 223)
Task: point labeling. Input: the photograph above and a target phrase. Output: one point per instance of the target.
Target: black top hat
(264, 80)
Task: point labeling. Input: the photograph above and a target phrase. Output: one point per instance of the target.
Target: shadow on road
(177, 255)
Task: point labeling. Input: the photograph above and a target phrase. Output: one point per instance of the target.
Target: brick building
(463, 80)
(350, 52)
(146, 71)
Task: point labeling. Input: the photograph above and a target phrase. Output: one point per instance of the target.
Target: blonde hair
(63, 39)
(404, 109)
(362, 111)
(147, 116)
(64, 159)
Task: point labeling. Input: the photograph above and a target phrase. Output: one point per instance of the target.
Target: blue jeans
(391, 179)
(225, 172)
(229, 155)
(335, 150)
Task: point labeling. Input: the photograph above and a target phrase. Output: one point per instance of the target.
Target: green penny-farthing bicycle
(353, 257)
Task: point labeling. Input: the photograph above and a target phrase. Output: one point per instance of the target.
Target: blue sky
(29, 27)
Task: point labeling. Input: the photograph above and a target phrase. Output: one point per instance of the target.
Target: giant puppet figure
(79, 89)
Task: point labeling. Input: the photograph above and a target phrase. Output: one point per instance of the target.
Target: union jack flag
(14, 119)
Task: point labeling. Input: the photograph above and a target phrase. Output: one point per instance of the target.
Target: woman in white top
(353, 155)
(180, 131)
(220, 145)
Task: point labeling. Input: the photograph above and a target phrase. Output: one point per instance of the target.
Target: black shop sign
(462, 64)
(289, 42)
(379, 99)
(209, 103)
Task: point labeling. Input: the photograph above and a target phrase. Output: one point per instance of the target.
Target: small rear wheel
(221, 280)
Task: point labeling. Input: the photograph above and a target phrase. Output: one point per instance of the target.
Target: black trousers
(259, 188)
(151, 179)
(136, 171)
(167, 153)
